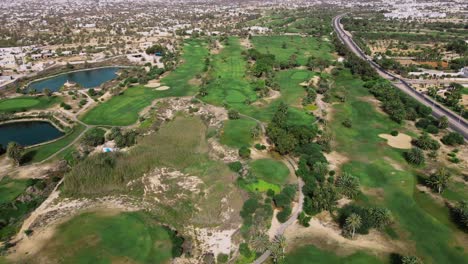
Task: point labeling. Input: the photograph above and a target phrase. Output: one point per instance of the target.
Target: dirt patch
(195, 81)
(401, 141)
(245, 42)
(215, 241)
(336, 160)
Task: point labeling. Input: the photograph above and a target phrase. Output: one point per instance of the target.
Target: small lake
(86, 79)
(28, 133)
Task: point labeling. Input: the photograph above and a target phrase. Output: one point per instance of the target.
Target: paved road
(456, 122)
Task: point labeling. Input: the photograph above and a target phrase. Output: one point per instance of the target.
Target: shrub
(415, 156)
(244, 152)
(453, 139)
(304, 219)
(347, 123)
(93, 137)
(426, 142)
(260, 146)
(233, 114)
(249, 207)
(284, 214)
(460, 214)
(235, 166)
(245, 250)
(270, 193)
(222, 258)
(432, 129)
(394, 133)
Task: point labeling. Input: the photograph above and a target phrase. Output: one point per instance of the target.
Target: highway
(456, 122)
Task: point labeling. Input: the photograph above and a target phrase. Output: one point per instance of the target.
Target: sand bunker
(153, 84)
(162, 88)
(402, 141)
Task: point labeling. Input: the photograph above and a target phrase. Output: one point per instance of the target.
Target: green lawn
(302, 47)
(432, 234)
(121, 110)
(109, 237)
(262, 186)
(237, 133)
(40, 153)
(193, 57)
(229, 85)
(311, 254)
(270, 170)
(25, 103)
(12, 188)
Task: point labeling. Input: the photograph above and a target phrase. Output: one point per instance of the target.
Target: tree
(233, 114)
(439, 180)
(353, 222)
(415, 156)
(460, 212)
(15, 152)
(426, 142)
(47, 92)
(277, 248)
(348, 185)
(443, 122)
(410, 260)
(93, 137)
(244, 152)
(259, 241)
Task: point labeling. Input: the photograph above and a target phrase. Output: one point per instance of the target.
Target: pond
(86, 79)
(28, 133)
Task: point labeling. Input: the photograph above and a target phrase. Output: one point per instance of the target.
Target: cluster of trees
(431, 125)
(283, 200)
(460, 214)
(395, 103)
(354, 63)
(425, 142)
(286, 136)
(93, 137)
(360, 219)
(264, 63)
(453, 139)
(122, 139)
(452, 97)
(459, 46)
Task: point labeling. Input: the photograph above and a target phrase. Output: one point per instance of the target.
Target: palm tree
(348, 184)
(410, 260)
(353, 222)
(277, 247)
(439, 180)
(259, 241)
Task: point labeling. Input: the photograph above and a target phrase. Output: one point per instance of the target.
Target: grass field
(261, 186)
(194, 54)
(237, 133)
(270, 170)
(12, 188)
(121, 110)
(40, 153)
(311, 254)
(369, 156)
(302, 47)
(25, 103)
(229, 85)
(109, 237)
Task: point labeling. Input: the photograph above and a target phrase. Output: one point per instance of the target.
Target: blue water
(86, 79)
(28, 132)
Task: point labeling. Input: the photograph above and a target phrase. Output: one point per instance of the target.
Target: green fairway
(109, 237)
(270, 170)
(194, 53)
(369, 155)
(262, 186)
(121, 110)
(311, 254)
(285, 46)
(40, 153)
(25, 103)
(237, 133)
(229, 85)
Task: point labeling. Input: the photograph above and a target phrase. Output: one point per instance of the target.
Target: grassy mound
(111, 238)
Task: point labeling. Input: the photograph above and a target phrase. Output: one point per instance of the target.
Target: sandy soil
(153, 84)
(245, 42)
(216, 241)
(336, 160)
(402, 141)
(325, 233)
(162, 88)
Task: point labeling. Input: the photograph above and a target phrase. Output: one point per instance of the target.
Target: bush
(65, 106)
(249, 207)
(304, 219)
(425, 142)
(233, 114)
(93, 137)
(460, 214)
(235, 166)
(394, 133)
(244, 152)
(270, 193)
(432, 129)
(453, 139)
(245, 250)
(284, 214)
(222, 258)
(347, 123)
(415, 156)
(260, 146)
